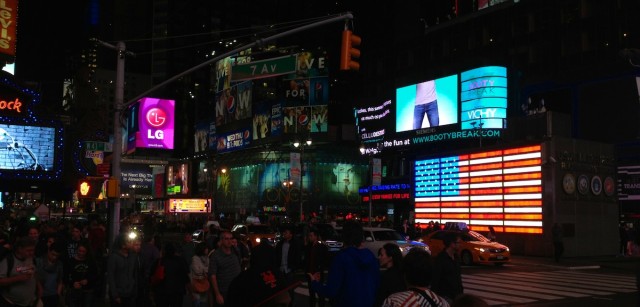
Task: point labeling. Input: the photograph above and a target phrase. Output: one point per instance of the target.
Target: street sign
(264, 68)
(102, 146)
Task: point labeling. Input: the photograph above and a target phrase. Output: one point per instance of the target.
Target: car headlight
(480, 249)
(132, 235)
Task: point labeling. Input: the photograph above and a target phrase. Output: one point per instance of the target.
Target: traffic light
(348, 53)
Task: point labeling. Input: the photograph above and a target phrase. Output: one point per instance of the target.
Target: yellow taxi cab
(475, 248)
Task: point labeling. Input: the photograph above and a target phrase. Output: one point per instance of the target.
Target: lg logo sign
(156, 118)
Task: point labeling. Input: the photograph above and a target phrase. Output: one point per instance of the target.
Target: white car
(375, 238)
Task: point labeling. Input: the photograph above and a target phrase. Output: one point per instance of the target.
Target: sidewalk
(580, 263)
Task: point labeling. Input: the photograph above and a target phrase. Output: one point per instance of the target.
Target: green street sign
(264, 68)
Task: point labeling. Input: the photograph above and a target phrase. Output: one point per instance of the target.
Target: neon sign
(11, 105)
(501, 188)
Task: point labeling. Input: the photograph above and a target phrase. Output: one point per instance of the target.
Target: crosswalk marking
(528, 287)
(506, 288)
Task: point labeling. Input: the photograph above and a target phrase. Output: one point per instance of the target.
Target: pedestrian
(288, 256)
(242, 249)
(469, 300)
(51, 275)
(447, 276)
(149, 254)
(187, 248)
(170, 291)
(391, 278)
(316, 259)
(199, 270)
(624, 238)
(491, 235)
(224, 266)
(80, 277)
(266, 283)
(354, 274)
(18, 275)
(74, 242)
(121, 274)
(558, 244)
(417, 271)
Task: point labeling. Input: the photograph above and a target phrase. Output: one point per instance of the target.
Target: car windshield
(387, 235)
(259, 229)
(327, 232)
(474, 236)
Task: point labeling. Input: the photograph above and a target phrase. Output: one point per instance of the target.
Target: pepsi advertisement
(234, 140)
(427, 104)
(156, 123)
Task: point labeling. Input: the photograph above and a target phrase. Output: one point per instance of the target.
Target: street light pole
(297, 144)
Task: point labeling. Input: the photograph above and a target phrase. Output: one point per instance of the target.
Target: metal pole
(259, 42)
(301, 179)
(370, 187)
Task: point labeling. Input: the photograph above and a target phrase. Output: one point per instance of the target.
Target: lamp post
(208, 189)
(133, 187)
(363, 151)
(297, 144)
(288, 184)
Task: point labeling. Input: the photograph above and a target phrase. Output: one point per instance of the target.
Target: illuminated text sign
(156, 120)
(501, 188)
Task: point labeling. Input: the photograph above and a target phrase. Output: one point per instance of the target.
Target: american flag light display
(501, 188)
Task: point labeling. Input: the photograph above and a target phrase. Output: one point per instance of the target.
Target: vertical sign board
(483, 97)
(156, 118)
(8, 27)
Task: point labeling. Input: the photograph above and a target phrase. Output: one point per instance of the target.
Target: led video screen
(427, 104)
(500, 188)
(156, 118)
(483, 98)
(178, 180)
(27, 148)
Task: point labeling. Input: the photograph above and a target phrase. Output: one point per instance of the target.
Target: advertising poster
(136, 178)
(296, 92)
(295, 170)
(211, 136)
(309, 65)
(242, 108)
(262, 121)
(223, 74)
(483, 97)
(303, 120)
(201, 137)
(234, 140)
(276, 120)
(319, 91)
(289, 120)
(156, 121)
(224, 100)
(27, 148)
(427, 104)
(178, 179)
(319, 118)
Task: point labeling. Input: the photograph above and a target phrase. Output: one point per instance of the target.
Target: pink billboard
(156, 123)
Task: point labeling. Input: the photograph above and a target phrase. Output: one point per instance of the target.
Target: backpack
(6, 253)
(158, 274)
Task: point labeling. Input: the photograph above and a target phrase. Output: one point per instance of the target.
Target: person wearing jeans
(426, 103)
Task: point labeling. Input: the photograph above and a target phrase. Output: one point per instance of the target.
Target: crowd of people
(67, 263)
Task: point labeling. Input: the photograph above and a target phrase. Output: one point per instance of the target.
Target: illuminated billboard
(427, 104)
(500, 188)
(188, 205)
(156, 119)
(27, 148)
(8, 26)
(483, 98)
(178, 180)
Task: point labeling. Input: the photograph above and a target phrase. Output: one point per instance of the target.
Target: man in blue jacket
(354, 275)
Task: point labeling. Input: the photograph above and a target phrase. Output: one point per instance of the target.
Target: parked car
(253, 233)
(475, 247)
(376, 237)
